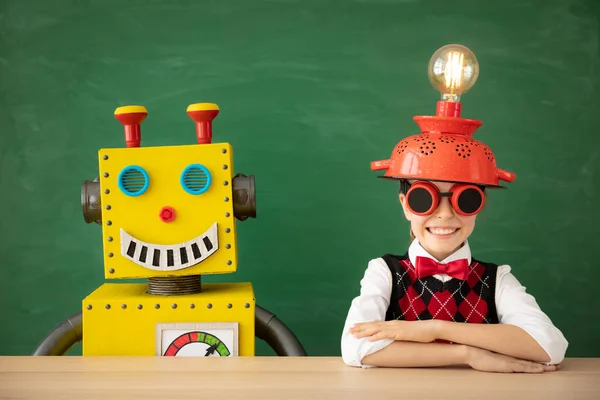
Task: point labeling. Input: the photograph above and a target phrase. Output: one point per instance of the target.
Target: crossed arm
(509, 340)
(525, 332)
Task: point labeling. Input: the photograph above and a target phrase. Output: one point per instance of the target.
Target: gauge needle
(211, 349)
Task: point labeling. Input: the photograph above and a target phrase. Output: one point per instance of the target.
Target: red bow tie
(458, 269)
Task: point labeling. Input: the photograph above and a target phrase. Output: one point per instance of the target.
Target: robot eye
(195, 179)
(133, 180)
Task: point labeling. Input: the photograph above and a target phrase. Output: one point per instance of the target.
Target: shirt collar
(416, 250)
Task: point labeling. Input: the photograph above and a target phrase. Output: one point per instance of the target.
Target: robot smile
(170, 257)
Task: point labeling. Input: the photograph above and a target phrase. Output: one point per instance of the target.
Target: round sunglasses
(424, 197)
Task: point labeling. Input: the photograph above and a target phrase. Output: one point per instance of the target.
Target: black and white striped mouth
(170, 257)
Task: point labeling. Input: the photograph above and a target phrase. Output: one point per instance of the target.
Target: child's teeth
(439, 231)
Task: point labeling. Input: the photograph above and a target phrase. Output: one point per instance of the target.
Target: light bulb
(453, 70)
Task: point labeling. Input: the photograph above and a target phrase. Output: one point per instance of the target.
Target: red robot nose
(167, 214)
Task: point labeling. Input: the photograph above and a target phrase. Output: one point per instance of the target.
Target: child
(436, 305)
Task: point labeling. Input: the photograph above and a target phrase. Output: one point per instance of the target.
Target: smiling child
(436, 305)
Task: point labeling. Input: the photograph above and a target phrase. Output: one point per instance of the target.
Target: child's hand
(410, 331)
(484, 360)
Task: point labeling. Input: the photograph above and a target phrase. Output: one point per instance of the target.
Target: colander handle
(381, 164)
(505, 175)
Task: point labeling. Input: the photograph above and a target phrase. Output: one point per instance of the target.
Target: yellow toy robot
(168, 214)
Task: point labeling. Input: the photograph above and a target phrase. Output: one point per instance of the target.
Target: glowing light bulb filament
(454, 71)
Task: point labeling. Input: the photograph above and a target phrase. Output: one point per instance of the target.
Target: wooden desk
(286, 378)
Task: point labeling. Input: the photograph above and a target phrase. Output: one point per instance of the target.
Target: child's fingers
(363, 326)
(370, 332)
(367, 331)
(364, 329)
(357, 328)
(359, 334)
(378, 336)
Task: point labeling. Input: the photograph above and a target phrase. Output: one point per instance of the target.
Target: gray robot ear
(244, 197)
(91, 205)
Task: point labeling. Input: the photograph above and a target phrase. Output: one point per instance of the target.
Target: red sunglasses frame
(436, 195)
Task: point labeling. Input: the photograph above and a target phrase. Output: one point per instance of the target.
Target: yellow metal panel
(138, 216)
(120, 319)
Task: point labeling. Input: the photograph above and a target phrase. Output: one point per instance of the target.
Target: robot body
(122, 319)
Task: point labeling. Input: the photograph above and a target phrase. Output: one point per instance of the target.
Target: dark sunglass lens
(469, 201)
(420, 200)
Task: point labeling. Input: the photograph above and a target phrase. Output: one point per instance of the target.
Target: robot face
(167, 210)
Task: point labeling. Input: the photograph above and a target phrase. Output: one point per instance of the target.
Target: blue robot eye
(133, 180)
(195, 179)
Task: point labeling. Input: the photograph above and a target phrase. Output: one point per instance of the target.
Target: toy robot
(168, 214)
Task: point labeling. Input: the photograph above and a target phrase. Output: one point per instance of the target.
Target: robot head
(168, 210)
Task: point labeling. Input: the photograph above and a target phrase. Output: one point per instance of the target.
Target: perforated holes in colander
(447, 139)
(488, 153)
(463, 150)
(402, 146)
(427, 147)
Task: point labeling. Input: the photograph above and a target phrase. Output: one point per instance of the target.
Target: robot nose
(167, 214)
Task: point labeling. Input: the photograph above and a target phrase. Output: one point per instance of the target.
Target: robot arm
(269, 328)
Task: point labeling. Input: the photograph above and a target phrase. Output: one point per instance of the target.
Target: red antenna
(203, 114)
(132, 117)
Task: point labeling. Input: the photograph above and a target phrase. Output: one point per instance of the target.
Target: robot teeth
(170, 257)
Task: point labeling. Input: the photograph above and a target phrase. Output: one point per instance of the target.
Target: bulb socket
(448, 109)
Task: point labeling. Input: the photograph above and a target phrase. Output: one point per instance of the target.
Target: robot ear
(244, 197)
(91, 204)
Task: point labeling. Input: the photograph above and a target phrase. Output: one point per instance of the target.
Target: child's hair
(404, 186)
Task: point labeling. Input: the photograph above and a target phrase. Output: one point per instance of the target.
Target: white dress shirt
(514, 306)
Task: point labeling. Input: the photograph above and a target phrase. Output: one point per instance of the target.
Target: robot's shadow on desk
(268, 328)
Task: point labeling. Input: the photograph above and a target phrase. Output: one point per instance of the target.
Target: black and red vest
(471, 300)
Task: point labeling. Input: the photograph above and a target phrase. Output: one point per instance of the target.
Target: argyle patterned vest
(472, 300)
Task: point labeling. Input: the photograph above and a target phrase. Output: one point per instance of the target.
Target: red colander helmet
(445, 149)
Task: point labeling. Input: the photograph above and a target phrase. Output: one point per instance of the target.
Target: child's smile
(442, 232)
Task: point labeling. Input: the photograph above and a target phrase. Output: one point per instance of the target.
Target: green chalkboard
(310, 93)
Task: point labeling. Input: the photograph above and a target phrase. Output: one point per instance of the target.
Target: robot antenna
(203, 114)
(132, 117)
